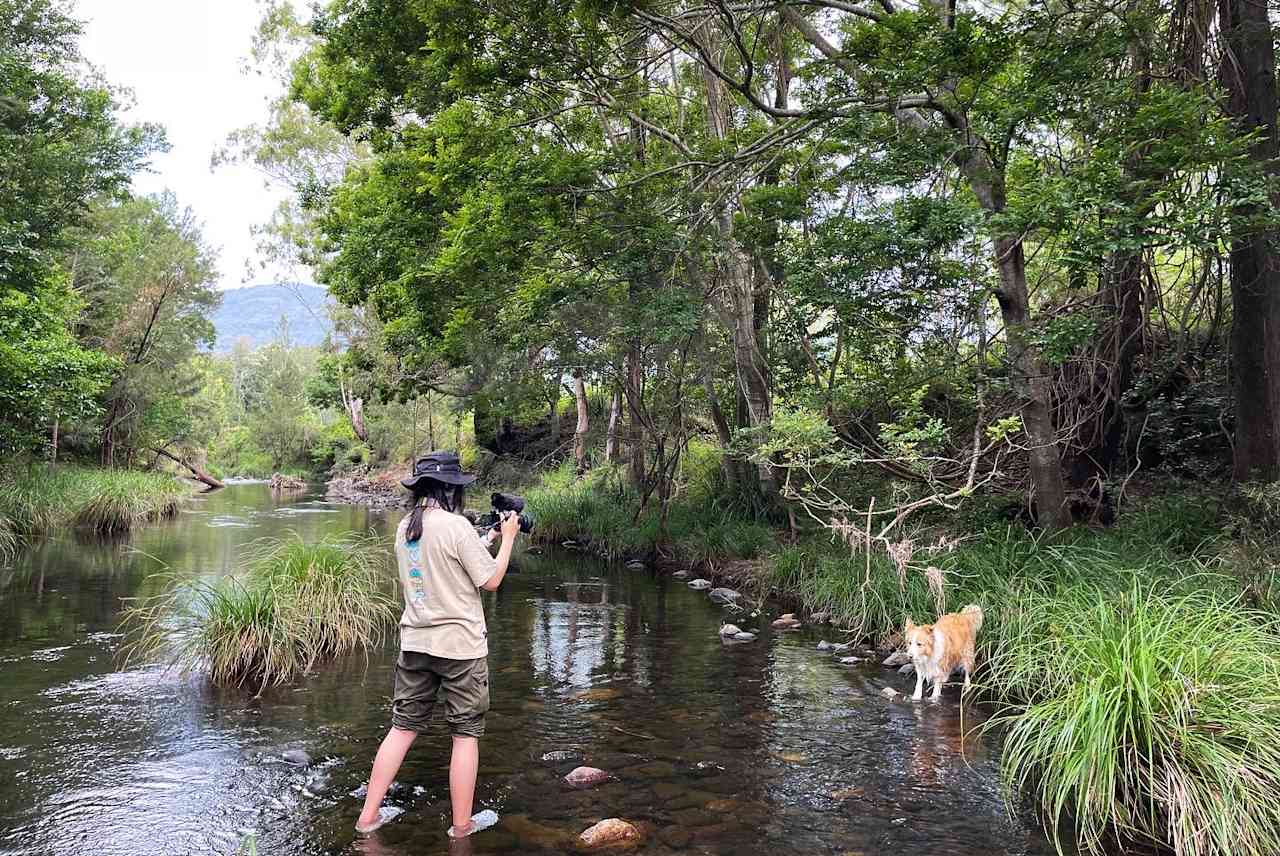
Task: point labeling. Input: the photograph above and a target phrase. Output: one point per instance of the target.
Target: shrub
(1144, 716)
(293, 605)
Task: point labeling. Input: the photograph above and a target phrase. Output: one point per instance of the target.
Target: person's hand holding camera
(510, 525)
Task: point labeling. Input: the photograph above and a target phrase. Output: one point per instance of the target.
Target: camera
(502, 503)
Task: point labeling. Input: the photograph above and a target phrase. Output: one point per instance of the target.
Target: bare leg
(937, 688)
(385, 766)
(462, 780)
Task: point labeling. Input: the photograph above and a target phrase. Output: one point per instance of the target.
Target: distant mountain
(253, 313)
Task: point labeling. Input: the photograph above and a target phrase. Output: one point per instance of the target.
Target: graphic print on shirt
(416, 581)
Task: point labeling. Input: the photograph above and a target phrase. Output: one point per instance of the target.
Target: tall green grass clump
(37, 501)
(293, 605)
(1143, 716)
(119, 500)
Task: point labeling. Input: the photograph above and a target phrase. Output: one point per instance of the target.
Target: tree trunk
(635, 391)
(431, 424)
(580, 432)
(554, 418)
(611, 438)
(1249, 72)
(197, 473)
(1030, 381)
(355, 408)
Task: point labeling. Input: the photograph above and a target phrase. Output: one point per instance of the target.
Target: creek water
(763, 747)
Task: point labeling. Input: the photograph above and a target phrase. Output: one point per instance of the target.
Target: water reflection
(713, 749)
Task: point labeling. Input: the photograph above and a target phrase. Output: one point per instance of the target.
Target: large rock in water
(896, 659)
(609, 833)
(730, 630)
(700, 584)
(725, 595)
(585, 777)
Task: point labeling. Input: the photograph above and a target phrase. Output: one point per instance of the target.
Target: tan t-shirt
(440, 576)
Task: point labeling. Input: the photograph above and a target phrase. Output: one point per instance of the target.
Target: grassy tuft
(1144, 716)
(120, 501)
(36, 501)
(294, 604)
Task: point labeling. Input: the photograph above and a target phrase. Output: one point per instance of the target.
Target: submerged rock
(824, 645)
(896, 659)
(889, 693)
(850, 661)
(786, 622)
(585, 777)
(744, 636)
(907, 669)
(296, 757)
(700, 584)
(635, 565)
(559, 756)
(681, 575)
(730, 630)
(725, 595)
(609, 833)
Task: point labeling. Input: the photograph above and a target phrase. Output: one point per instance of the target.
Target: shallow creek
(764, 747)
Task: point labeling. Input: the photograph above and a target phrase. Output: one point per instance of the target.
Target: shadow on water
(762, 747)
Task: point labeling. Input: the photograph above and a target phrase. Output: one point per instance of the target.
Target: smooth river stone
(730, 630)
(725, 595)
(896, 659)
(609, 833)
(585, 777)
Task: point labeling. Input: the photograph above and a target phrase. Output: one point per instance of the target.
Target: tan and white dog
(937, 649)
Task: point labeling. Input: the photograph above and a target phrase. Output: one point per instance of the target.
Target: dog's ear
(911, 625)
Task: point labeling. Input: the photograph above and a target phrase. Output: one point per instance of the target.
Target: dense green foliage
(293, 605)
(103, 297)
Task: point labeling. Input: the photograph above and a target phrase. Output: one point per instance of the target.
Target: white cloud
(183, 60)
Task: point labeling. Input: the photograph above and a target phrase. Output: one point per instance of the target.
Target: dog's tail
(975, 615)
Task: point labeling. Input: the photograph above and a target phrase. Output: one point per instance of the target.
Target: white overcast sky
(183, 60)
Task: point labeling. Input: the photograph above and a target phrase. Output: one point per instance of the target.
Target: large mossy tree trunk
(1249, 74)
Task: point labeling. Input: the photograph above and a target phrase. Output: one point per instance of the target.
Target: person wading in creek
(443, 640)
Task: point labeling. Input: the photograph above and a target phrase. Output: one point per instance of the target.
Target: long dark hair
(447, 496)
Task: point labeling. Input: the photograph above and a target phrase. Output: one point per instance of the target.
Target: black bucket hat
(438, 466)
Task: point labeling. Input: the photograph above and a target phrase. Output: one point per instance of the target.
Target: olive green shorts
(420, 678)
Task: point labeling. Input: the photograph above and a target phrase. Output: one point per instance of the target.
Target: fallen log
(196, 473)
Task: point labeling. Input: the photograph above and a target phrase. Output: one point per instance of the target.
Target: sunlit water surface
(766, 747)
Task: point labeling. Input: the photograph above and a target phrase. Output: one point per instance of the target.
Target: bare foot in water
(386, 814)
(480, 821)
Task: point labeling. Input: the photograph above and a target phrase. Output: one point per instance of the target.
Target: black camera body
(502, 503)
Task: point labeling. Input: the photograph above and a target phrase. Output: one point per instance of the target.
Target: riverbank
(1119, 661)
(38, 501)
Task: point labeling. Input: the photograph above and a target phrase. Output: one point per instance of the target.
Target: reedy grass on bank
(1143, 715)
(37, 501)
(606, 520)
(293, 605)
